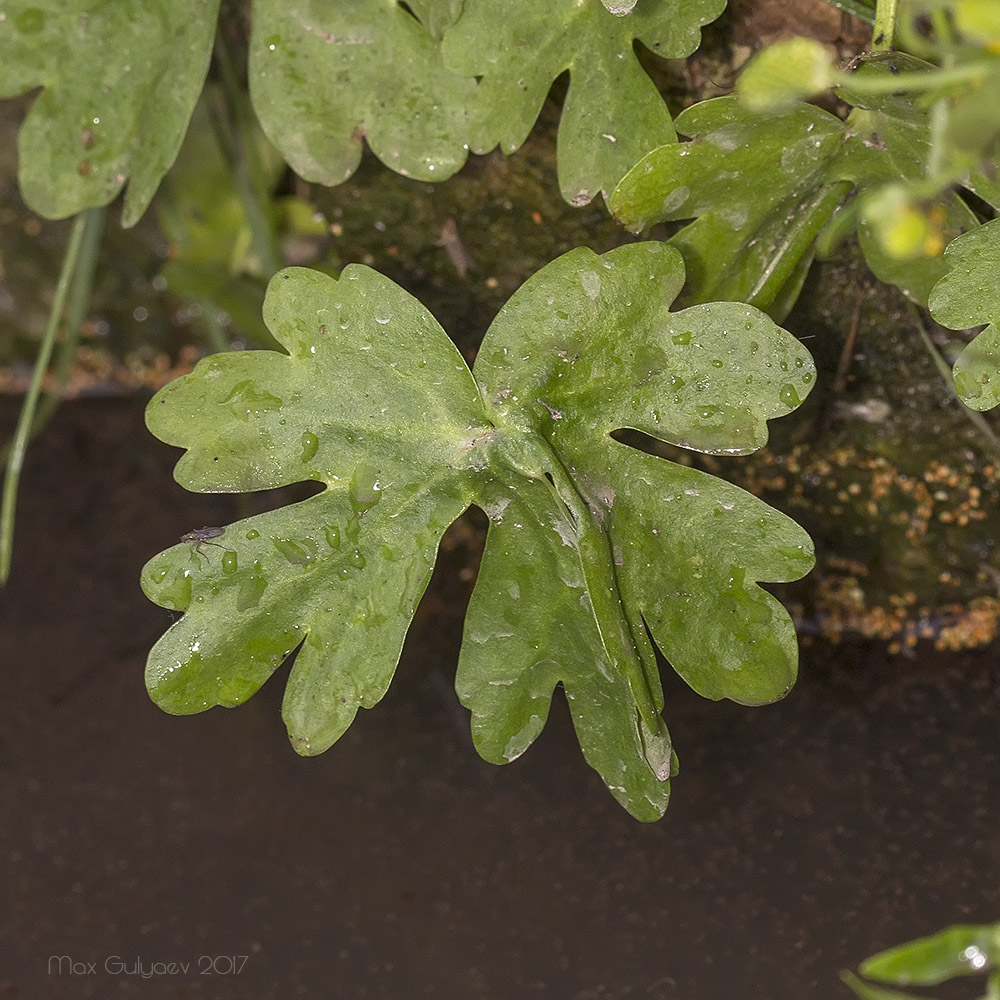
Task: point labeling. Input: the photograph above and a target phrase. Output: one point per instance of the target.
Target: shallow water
(801, 837)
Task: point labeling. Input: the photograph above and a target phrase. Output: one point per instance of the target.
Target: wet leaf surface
(595, 549)
(119, 80)
(761, 187)
(324, 76)
(967, 297)
(612, 114)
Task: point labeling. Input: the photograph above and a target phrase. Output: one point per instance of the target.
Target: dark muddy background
(860, 812)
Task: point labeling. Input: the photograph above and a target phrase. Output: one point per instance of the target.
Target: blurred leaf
(979, 20)
(119, 80)
(593, 546)
(866, 991)
(612, 114)
(784, 73)
(960, 950)
(967, 296)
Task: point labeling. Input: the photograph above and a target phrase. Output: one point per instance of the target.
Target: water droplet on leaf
(788, 395)
(365, 490)
(310, 445)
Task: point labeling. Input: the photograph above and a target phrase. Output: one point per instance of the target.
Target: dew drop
(332, 533)
(230, 561)
(788, 395)
(310, 445)
(365, 490)
(297, 553)
(252, 534)
(251, 590)
(682, 338)
(358, 561)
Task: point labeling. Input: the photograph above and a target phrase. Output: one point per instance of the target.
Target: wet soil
(860, 812)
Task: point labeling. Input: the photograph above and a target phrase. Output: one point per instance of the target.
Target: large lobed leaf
(595, 550)
(374, 401)
(119, 80)
(425, 82)
(761, 187)
(967, 296)
(613, 113)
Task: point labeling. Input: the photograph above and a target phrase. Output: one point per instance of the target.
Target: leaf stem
(916, 81)
(232, 128)
(863, 9)
(948, 376)
(884, 26)
(941, 108)
(632, 655)
(85, 221)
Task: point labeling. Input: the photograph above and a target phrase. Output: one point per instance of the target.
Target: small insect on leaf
(202, 534)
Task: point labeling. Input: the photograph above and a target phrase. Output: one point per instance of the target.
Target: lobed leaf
(965, 297)
(325, 76)
(372, 400)
(638, 546)
(119, 80)
(761, 187)
(613, 113)
(594, 552)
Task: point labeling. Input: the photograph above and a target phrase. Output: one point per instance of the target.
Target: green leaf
(634, 542)
(761, 188)
(865, 991)
(960, 950)
(966, 297)
(324, 76)
(595, 550)
(374, 401)
(119, 81)
(784, 73)
(613, 113)
(757, 186)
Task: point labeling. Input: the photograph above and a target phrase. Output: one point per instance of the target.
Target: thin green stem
(863, 9)
(19, 446)
(941, 109)
(884, 27)
(80, 293)
(76, 308)
(930, 80)
(944, 370)
(232, 130)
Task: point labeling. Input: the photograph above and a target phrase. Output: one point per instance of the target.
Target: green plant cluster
(598, 554)
(960, 950)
